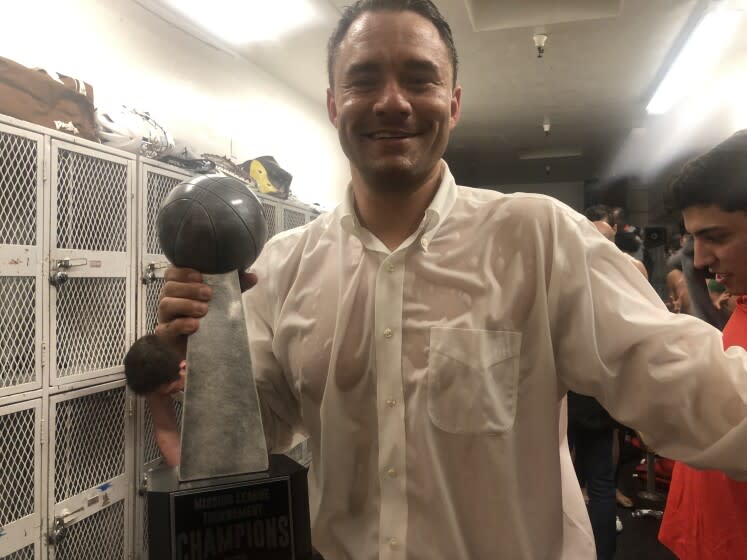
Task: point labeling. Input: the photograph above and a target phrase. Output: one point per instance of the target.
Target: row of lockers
(80, 272)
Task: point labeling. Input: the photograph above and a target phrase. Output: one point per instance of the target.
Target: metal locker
(90, 474)
(293, 218)
(270, 210)
(20, 479)
(91, 299)
(25, 553)
(21, 257)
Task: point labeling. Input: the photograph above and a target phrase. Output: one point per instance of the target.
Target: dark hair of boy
(149, 364)
(717, 178)
(599, 213)
(627, 242)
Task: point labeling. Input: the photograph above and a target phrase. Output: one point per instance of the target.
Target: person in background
(630, 243)
(590, 437)
(706, 512)
(678, 300)
(721, 298)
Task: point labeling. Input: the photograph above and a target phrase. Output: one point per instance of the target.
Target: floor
(638, 540)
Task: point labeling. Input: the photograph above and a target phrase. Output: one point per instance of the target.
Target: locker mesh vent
(91, 325)
(158, 187)
(269, 210)
(150, 448)
(26, 553)
(17, 330)
(90, 442)
(16, 465)
(98, 537)
(152, 292)
(292, 219)
(91, 203)
(146, 533)
(18, 179)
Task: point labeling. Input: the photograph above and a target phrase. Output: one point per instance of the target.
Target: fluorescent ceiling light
(701, 50)
(247, 21)
(550, 153)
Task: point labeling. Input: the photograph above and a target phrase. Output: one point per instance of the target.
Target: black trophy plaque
(258, 516)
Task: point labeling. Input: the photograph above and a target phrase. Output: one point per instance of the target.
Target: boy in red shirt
(706, 511)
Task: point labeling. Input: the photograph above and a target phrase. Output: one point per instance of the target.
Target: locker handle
(60, 277)
(69, 263)
(150, 271)
(61, 522)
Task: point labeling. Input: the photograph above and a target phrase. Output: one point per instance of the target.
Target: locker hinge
(130, 406)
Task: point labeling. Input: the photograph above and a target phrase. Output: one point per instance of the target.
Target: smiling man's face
(720, 244)
(392, 102)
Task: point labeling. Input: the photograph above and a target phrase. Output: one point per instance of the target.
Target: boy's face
(175, 386)
(720, 240)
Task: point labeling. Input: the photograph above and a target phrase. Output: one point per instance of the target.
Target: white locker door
(91, 299)
(20, 480)
(89, 474)
(21, 282)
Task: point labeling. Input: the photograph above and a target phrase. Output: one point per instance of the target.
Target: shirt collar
(435, 214)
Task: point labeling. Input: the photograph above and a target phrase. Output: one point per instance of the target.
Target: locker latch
(61, 523)
(150, 271)
(143, 490)
(59, 276)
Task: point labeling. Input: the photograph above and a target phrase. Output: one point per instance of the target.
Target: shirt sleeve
(662, 374)
(281, 417)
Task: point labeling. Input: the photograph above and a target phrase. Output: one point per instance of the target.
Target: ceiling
(602, 62)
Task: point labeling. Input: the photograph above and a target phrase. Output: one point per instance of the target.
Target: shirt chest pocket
(473, 379)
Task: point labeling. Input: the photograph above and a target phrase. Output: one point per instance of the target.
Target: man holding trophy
(423, 334)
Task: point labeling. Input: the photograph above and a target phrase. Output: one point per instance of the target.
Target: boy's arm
(165, 428)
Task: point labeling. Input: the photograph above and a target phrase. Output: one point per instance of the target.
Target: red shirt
(706, 512)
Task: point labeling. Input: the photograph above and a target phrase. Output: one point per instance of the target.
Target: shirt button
(393, 542)
(390, 267)
(391, 403)
(424, 243)
(392, 473)
(388, 333)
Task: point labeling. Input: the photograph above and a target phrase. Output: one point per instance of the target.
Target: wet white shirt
(430, 378)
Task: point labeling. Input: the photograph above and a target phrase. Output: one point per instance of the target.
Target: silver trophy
(216, 225)
(228, 499)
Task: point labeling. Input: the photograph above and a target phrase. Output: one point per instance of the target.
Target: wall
(203, 96)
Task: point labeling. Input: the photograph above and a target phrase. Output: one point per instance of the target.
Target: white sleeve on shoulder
(662, 374)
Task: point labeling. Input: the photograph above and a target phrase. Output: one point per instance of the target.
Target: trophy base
(258, 516)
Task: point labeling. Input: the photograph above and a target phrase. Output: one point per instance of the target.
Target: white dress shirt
(430, 378)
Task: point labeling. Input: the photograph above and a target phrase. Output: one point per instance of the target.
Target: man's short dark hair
(425, 8)
(628, 241)
(598, 213)
(717, 178)
(149, 364)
